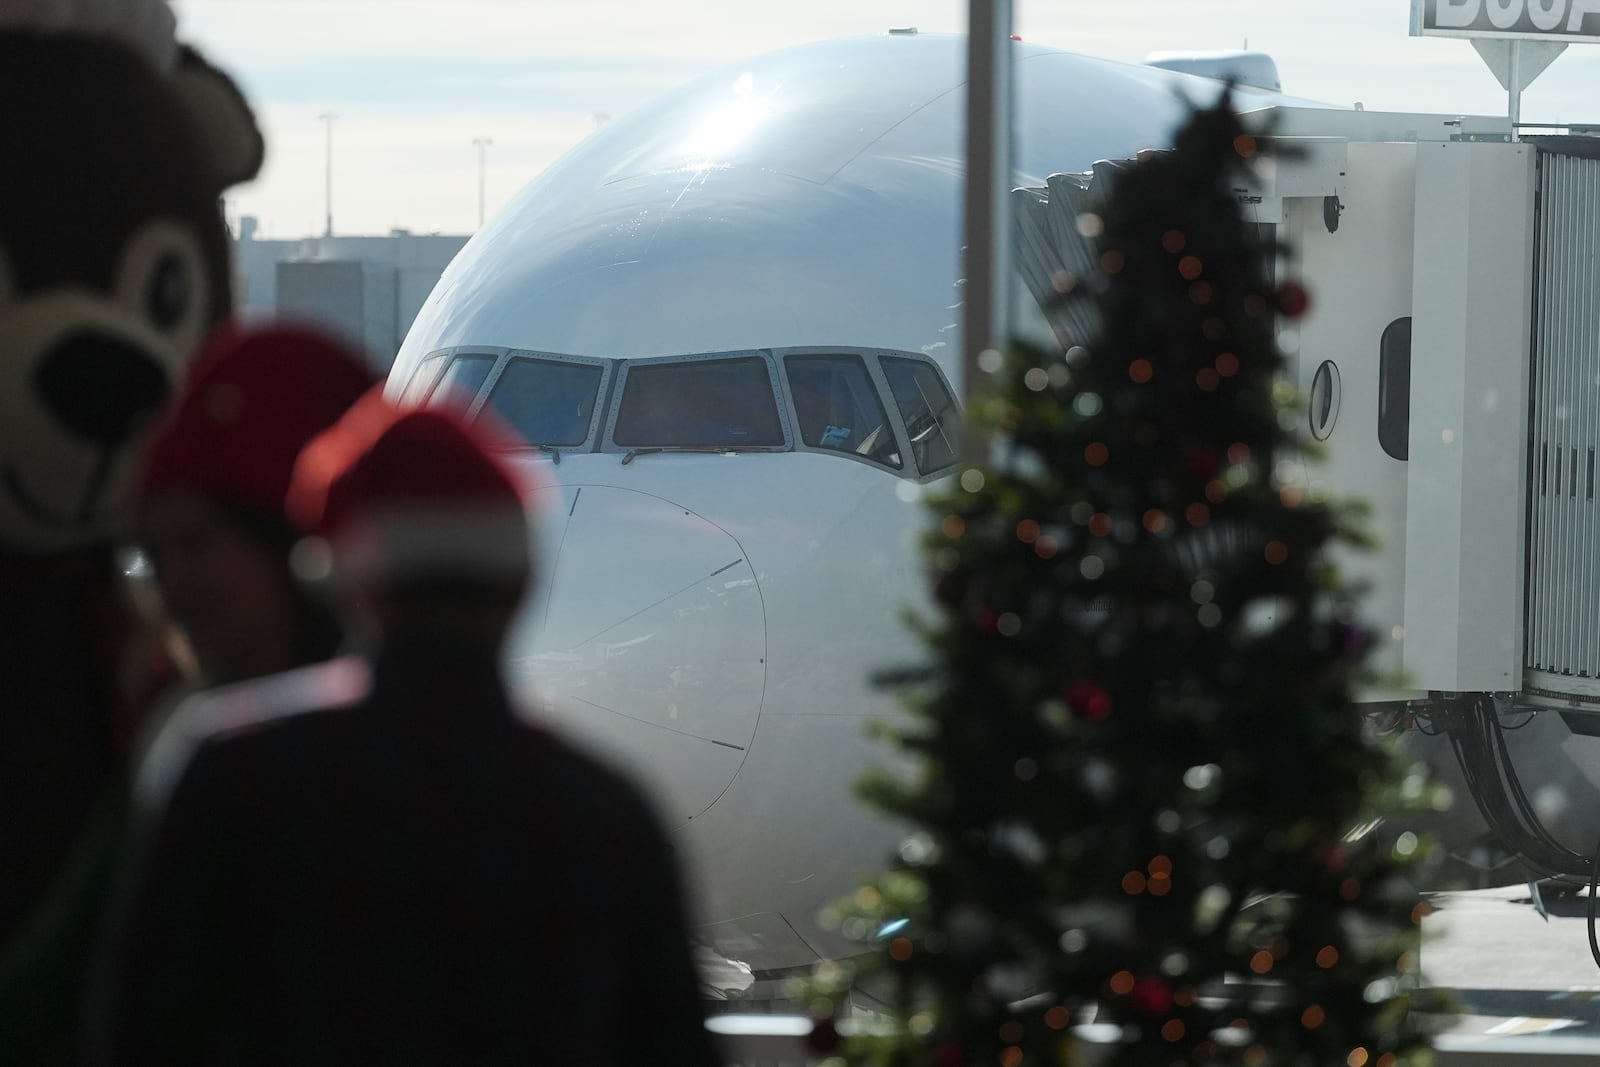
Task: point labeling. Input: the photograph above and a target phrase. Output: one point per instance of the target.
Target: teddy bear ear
(230, 141)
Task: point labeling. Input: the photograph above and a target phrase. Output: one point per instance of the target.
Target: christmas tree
(1140, 766)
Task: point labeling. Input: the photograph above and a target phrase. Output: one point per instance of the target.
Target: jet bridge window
(702, 403)
(838, 408)
(1394, 388)
(462, 380)
(933, 422)
(547, 401)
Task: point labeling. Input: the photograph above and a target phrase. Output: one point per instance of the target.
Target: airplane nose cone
(647, 639)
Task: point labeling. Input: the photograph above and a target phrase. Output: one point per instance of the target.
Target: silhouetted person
(211, 497)
(380, 861)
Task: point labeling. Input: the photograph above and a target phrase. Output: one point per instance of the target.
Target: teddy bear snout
(99, 386)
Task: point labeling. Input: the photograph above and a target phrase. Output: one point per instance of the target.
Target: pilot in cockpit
(821, 424)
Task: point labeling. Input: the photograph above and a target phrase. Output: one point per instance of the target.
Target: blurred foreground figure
(117, 142)
(212, 491)
(381, 862)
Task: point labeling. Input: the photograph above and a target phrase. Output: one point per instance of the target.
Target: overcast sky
(413, 82)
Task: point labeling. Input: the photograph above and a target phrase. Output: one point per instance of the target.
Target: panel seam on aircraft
(901, 122)
(667, 214)
(761, 707)
(654, 604)
(907, 118)
(549, 593)
(657, 725)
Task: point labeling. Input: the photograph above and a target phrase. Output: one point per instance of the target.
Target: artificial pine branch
(1139, 754)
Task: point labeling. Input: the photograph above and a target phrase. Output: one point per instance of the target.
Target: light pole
(482, 144)
(326, 118)
(986, 233)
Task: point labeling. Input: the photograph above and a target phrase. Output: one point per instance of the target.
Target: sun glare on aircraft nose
(727, 125)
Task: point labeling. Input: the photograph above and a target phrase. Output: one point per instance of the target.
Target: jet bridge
(1450, 365)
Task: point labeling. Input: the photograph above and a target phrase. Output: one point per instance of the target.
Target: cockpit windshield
(933, 422)
(700, 403)
(462, 380)
(547, 401)
(891, 410)
(421, 383)
(838, 408)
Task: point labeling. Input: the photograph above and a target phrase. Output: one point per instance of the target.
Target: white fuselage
(713, 621)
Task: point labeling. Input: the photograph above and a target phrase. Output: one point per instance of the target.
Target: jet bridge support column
(1465, 507)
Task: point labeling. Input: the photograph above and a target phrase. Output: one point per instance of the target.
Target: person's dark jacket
(80, 666)
(408, 874)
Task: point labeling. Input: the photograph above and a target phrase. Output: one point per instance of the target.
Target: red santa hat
(413, 494)
(256, 396)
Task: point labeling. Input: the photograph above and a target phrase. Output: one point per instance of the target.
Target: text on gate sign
(1559, 20)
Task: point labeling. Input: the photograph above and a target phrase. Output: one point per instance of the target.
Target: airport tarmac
(1514, 971)
(1526, 988)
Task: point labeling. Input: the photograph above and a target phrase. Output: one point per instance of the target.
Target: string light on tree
(1173, 676)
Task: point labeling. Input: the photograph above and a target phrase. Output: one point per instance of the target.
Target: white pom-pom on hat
(146, 27)
(409, 494)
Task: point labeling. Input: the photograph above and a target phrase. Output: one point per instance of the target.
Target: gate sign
(1543, 20)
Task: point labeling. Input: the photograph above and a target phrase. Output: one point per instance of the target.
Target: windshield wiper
(553, 452)
(726, 450)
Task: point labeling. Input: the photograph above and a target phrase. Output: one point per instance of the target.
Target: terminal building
(367, 289)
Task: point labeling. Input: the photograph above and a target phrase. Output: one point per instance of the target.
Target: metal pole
(1514, 88)
(987, 237)
(483, 143)
(327, 120)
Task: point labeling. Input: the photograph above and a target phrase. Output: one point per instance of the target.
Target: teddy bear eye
(162, 283)
(167, 294)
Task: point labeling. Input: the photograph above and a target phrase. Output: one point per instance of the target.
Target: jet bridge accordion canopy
(1563, 622)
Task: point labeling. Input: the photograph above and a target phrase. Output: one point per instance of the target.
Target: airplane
(728, 325)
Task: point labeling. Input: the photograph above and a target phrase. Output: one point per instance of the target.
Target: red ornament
(1293, 300)
(988, 621)
(1353, 640)
(1151, 997)
(1089, 700)
(949, 1054)
(824, 1036)
(1201, 463)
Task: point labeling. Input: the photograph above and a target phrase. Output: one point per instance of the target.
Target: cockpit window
(703, 403)
(462, 380)
(422, 379)
(933, 422)
(838, 408)
(547, 401)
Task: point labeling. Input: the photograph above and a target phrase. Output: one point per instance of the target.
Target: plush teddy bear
(116, 143)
